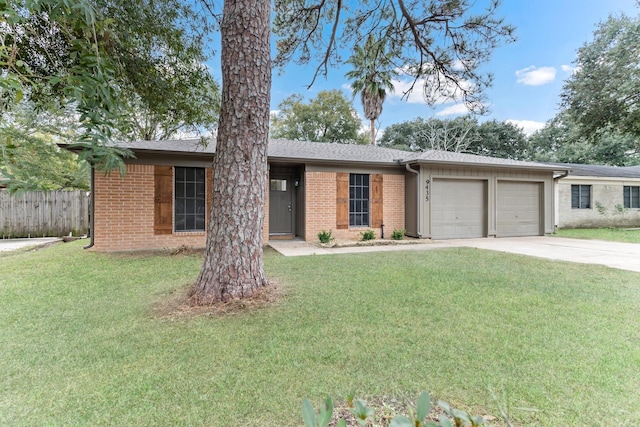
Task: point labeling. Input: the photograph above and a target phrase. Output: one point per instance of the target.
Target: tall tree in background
(329, 117)
(500, 139)
(462, 134)
(105, 58)
(29, 157)
(371, 77)
(561, 141)
(604, 92)
(432, 134)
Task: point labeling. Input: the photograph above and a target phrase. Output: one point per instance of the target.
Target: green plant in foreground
(350, 397)
(398, 234)
(325, 236)
(417, 417)
(368, 235)
(323, 418)
(361, 412)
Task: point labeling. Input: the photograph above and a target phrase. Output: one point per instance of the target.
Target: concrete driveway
(13, 244)
(624, 256)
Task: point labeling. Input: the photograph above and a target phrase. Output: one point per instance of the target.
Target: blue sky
(528, 74)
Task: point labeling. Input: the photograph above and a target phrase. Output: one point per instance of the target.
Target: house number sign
(426, 190)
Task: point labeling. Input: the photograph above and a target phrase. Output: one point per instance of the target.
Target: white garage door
(458, 208)
(518, 212)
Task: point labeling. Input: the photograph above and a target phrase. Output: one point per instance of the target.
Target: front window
(358, 200)
(581, 196)
(631, 197)
(190, 199)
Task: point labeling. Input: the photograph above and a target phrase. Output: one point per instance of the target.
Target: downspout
(418, 201)
(555, 201)
(91, 208)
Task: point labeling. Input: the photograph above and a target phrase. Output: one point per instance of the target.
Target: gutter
(418, 201)
(91, 209)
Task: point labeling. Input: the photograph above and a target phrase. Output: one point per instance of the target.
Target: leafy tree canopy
(135, 68)
(604, 92)
(500, 139)
(561, 141)
(329, 117)
(30, 158)
(462, 134)
(371, 77)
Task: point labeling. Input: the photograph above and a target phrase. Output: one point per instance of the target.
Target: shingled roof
(448, 157)
(601, 170)
(322, 152)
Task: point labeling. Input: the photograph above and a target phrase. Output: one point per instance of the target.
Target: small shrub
(417, 416)
(368, 235)
(325, 236)
(398, 234)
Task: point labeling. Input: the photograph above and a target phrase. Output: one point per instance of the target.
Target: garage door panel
(458, 209)
(518, 210)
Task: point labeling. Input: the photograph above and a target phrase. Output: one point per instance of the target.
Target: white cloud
(529, 127)
(438, 90)
(454, 110)
(570, 69)
(536, 76)
(401, 86)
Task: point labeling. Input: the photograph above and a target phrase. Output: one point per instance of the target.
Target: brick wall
(124, 213)
(320, 207)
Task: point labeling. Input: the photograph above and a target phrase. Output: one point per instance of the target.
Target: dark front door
(281, 207)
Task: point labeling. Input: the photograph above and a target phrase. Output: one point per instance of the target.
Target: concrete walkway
(624, 256)
(13, 244)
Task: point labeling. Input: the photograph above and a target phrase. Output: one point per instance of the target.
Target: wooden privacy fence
(44, 213)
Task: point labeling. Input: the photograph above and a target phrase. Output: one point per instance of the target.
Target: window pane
(191, 222)
(585, 196)
(358, 200)
(179, 174)
(278, 185)
(200, 207)
(179, 204)
(575, 196)
(180, 222)
(200, 222)
(190, 199)
(190, 190)
(180, 192)
(635, 197)
(200, 190)
(190, 207)
(627, 197)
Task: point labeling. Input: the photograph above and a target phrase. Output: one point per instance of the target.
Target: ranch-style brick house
(164, 199)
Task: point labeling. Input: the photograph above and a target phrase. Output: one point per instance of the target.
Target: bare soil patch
(387, 408)
(178, 306)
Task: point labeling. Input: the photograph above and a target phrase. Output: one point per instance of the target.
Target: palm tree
(372, 73)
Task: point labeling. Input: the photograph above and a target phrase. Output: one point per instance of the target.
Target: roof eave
(486, 165)
(333, 162)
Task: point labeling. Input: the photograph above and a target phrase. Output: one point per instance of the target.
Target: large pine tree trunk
(233, 265)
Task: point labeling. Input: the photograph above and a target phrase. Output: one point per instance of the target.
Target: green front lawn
(552, 343)
(610, 234)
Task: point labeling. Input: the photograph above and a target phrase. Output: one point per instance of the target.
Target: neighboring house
(164, 199)
(598, 196)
